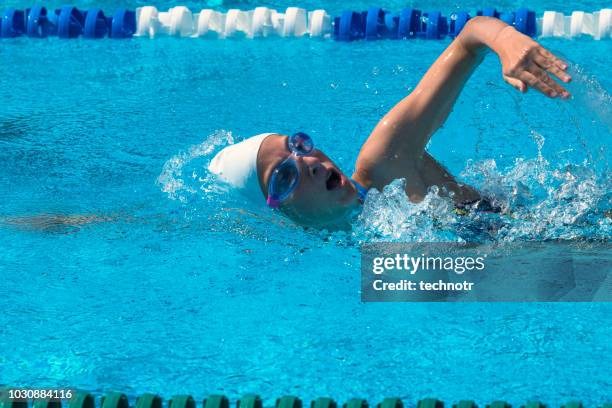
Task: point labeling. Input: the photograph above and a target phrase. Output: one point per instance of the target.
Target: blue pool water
(174, 288)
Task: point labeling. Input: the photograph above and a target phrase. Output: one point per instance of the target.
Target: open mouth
(334, 179)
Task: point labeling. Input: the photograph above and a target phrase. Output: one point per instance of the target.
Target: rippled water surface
(162, 281)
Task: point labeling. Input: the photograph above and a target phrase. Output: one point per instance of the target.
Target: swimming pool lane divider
(372, 24)
(83, 399)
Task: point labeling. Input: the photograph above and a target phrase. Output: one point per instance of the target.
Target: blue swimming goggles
(286, 176)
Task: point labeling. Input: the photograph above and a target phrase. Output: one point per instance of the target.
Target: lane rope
(84, 399)
(372, 24)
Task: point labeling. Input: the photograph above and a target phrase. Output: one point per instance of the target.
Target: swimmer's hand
(525, 63)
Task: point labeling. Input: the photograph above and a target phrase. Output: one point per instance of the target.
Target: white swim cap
(237, 165)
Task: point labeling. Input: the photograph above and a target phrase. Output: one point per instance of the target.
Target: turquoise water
(174, 288)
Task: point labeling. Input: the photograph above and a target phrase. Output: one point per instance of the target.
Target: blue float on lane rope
(123, 24)
(96, 25)
(13, 23)
(409, 21)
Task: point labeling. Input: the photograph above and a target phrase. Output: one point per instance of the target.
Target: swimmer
(289, 174)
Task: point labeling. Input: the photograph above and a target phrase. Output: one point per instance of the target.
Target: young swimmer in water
(290, 174)
(304, 184)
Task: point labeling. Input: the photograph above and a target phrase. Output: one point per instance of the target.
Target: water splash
(389, 215)
(542, 198)
(560, 196)
(591, 96)
(173, 180)
(539, 201)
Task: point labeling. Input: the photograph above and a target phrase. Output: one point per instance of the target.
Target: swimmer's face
(324, 195)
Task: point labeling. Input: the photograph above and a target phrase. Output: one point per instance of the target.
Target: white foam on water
(539, 201)
(180, 187)
(543, 198)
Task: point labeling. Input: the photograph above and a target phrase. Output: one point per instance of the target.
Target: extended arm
(396, 146)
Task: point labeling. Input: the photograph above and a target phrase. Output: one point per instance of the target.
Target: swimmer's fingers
(537, 81)
(516, 83)
(544, 78)
(555, 62)
(548, 62)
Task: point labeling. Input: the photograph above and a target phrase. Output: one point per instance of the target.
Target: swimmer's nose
(314, 167)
